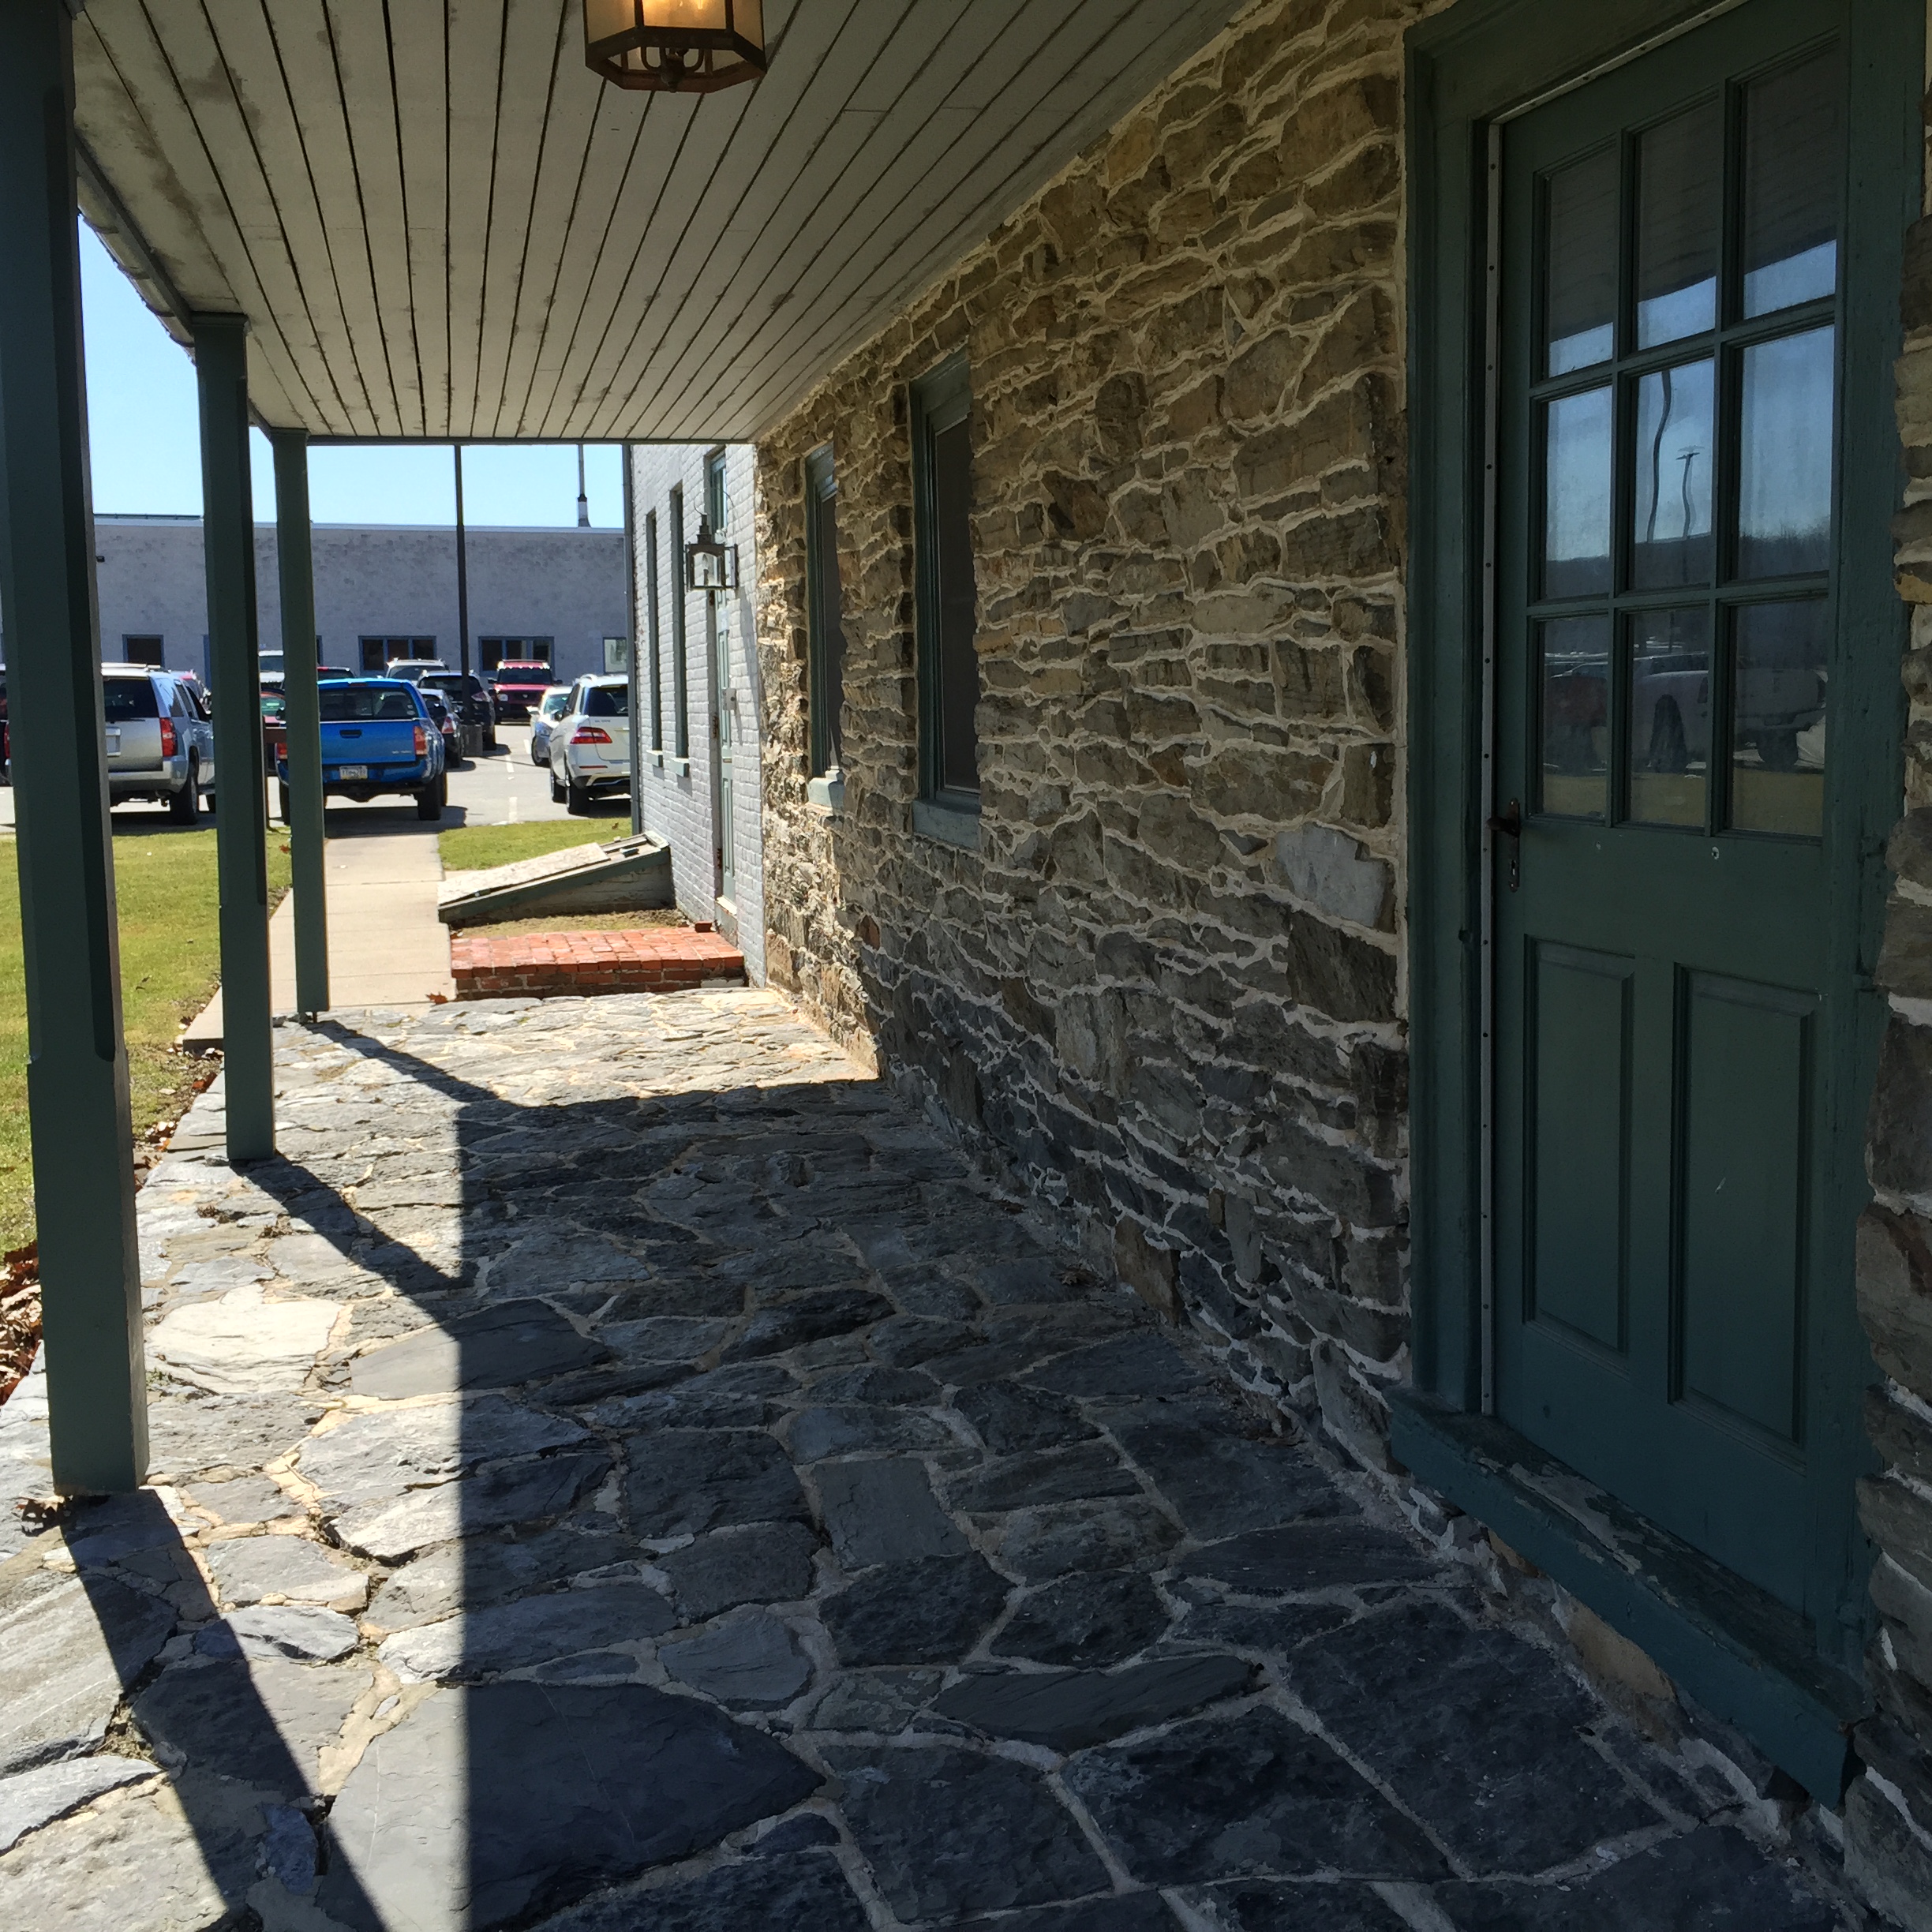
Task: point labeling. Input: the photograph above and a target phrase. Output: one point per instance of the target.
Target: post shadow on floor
(214, 1712)
(526, 1854)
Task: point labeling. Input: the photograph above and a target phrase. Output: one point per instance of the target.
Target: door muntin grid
(1684, 451)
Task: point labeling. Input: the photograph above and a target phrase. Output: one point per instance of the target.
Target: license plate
(351, 771)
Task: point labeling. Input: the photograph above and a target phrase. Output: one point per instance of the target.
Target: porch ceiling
(439, 223)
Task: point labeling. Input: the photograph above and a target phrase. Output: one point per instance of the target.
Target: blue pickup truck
(377, 737)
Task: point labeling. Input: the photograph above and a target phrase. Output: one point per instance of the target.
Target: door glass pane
(1791, 142)
(1580, 258)
(1777, 745)
(1671, 531)
(959, 656)
(1575, 654)
(1677, 184)
(1669, 716)
(1576, 514)
(1785, 456)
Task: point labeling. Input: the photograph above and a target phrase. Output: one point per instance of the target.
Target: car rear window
(353, 704)
(607, 701)
(130, 697)
(449, 683)
(554, 703)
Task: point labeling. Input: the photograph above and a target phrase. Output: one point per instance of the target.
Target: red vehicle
(520, 686)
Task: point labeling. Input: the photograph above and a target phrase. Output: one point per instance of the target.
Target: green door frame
(1469, 69)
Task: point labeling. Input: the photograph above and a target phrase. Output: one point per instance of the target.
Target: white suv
(590, 744)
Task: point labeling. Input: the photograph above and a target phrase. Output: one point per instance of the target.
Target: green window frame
(652, 635)
(717, 502)
(680, 671)
(945, 598)
(825, 631)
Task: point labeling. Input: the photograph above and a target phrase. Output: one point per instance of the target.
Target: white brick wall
(677, 798)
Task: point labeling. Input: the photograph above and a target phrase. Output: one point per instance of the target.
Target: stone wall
(1166, 991)
(1888, 1812)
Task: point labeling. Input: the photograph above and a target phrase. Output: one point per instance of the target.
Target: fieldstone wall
(1168, 990)
(1888, 1812)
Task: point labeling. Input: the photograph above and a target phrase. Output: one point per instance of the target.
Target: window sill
(678, 767)
(827, 793)
(1736, 1650)
(948, 824)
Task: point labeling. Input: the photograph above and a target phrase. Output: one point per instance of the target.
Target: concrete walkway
(618, 1470)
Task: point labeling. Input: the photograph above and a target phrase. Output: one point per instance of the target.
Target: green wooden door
(1669, 622)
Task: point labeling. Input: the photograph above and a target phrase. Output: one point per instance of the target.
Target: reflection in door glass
(1670, 532)
(1792, 141)
(1785, 456)
(1575, 656)
(1580, 258)
(1678, 173)
(1777, 744)
(1669, 716)
(1576, 508)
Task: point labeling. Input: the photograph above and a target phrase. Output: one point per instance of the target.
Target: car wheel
(556, 788)
(185, 807)
(430, 800)
(288, 816)
(577, 801)
(1778, 750)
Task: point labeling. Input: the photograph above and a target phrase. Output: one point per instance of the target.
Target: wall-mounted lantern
(709, 565)
(693, 47)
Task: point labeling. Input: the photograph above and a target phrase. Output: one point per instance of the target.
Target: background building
(375, 584)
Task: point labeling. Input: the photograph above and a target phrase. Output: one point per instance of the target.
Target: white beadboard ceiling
(440, 224)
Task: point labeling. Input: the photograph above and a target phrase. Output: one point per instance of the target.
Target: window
(714, 492)
(144, 650)
(616, 656)
(824, 614)
(948, 664)
(650, 620)
(379, 652)
(680, 716)
(126, 698)
(497, 650)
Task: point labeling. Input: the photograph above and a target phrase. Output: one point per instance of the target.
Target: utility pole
(462, 572)
(583, 501)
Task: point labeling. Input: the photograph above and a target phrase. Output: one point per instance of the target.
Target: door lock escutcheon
(1508, 824)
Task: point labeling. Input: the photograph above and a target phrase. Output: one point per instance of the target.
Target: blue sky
(145, 441)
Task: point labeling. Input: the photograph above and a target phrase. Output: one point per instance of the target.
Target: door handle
(1508, 824)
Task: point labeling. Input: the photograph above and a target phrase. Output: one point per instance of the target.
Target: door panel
(1746, 1178)
(1579, 1138)
(1666, 626)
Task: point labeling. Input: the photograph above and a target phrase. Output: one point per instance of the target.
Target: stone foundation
(1166, 991)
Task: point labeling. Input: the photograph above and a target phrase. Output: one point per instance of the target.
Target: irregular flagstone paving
(620, 1472)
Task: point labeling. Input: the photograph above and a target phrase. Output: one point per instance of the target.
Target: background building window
(496, 650)
(948, 664)
(824, 614)
(680, 671)
(146, 650)
(616, 656)
(651, 631)
(379, 653)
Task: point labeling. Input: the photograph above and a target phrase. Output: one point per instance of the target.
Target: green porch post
(302, 717)
(235, 663)
(76, 1062)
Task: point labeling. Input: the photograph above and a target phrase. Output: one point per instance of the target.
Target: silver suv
(160, 744)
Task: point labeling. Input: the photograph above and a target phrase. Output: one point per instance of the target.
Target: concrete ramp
(624, 875)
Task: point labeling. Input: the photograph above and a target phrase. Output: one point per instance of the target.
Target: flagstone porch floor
(618, 1469)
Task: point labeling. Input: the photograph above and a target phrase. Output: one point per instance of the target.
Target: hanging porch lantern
(693, 47)
(710, 564)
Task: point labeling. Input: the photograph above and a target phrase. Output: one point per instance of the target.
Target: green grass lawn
(471, 848)
(170, 963)
(572, 922)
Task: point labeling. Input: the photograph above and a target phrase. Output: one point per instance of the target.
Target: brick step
(658, 959)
